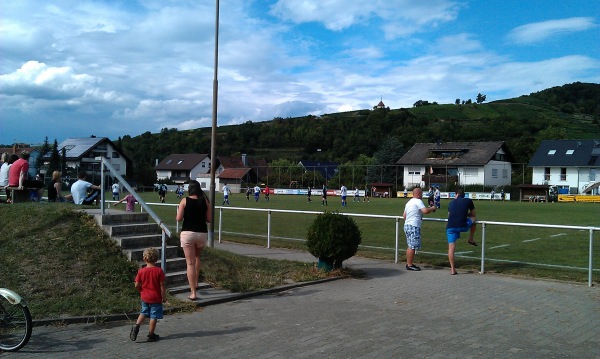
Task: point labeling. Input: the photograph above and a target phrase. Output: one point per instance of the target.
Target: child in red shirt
(150, 281)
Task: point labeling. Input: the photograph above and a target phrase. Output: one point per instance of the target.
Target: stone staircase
(133, 233)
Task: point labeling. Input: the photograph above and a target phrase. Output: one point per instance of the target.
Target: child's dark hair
(150, 255)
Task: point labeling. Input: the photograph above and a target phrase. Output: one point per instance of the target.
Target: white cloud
(402, 17)
(540, 31)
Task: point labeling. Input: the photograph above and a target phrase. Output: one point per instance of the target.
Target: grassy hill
(567, 112)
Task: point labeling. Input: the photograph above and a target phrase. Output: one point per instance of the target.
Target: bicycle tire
(15, 326)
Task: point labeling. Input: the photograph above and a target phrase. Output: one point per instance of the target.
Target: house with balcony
(238, 172)
(181, 168)
(571, 166)
(81, 154)
(457, 164)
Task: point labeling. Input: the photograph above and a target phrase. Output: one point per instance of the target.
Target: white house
(573, 166)
(81, 153)
(457, 163)
(180, 168)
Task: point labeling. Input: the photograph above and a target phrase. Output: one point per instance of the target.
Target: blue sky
(113, 68)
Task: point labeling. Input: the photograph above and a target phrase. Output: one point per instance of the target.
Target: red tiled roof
(234, 173)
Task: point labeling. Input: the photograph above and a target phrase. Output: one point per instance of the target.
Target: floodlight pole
(213, 138)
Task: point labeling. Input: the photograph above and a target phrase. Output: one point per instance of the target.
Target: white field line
(531, 240)
(499, 246)
(558, 235)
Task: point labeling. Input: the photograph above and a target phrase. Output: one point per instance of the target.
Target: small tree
(333, 238)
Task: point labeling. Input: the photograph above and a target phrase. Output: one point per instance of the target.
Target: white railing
(398, 230)
(164, 229)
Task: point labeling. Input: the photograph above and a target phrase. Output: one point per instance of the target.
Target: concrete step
(132, 229)
(137, 254)
(186, 288)
(175, 279)
(122, 217)
(144, 240)
(177, 264)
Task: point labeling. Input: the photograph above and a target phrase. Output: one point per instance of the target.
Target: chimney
(244, 159)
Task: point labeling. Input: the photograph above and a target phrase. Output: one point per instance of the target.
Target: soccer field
(552, 252)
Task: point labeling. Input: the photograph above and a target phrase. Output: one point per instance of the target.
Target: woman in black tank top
(195, 211)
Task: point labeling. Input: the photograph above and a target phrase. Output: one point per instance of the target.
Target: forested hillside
(567, 112)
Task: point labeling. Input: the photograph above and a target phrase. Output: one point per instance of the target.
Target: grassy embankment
(64, 265)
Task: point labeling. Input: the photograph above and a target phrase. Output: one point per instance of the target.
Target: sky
(76, 68)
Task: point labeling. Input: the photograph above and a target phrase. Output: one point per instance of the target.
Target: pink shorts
(193, 239)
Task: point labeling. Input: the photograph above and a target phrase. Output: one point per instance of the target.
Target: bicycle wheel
(15, 325)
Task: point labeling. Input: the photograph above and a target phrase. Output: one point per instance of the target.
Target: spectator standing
(150, 282)
(413, 218)
(195, 212)
(461, 218)
(130, 202)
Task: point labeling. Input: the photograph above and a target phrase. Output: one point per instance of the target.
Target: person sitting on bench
(80, 188)
(17, 176)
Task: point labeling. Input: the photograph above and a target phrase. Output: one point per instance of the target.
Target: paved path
(391, 314)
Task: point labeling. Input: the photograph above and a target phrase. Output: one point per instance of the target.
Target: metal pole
(213, 138)
(220, 223)
(482, 248)
(590, 269)
(101, 186)
(269, 229)
(397, 225)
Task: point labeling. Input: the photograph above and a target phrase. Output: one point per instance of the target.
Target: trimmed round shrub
(333, 238)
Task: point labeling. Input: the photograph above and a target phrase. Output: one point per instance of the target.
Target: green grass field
(539, 252)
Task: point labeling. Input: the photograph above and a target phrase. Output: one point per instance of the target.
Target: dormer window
(180, 162)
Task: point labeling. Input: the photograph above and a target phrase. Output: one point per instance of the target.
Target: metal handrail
(165, 230)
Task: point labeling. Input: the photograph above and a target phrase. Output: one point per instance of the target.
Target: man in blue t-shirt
(461, 218)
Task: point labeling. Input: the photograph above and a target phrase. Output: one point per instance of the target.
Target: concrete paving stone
(391, 314)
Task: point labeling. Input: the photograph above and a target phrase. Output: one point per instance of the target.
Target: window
(551, 152)
(494, 173)
(115, 154)
(180, 162)
(563, 173)
(414, 172)
(203, 164)
(570, 152)
(505, 173)
(117, 167)
(169, 162)
(547, 174)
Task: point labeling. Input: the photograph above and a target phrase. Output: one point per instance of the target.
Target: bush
(333, 238)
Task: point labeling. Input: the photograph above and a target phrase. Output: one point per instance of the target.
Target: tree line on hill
(564, 112)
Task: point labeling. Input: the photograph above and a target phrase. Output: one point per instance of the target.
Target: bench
(20, 195)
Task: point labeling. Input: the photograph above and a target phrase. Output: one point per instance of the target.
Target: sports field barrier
(399, 232)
